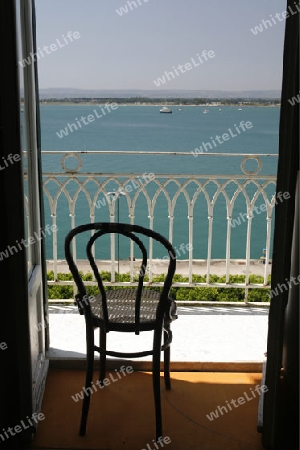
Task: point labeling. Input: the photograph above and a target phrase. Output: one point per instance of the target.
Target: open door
(37, 291)
(280, 427)
(22, 255)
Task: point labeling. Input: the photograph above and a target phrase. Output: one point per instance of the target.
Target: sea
(142, 128)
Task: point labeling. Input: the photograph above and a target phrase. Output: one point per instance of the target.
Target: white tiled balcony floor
(204, 338)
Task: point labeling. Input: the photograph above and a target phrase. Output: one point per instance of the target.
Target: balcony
(213, 221)
(216, 221)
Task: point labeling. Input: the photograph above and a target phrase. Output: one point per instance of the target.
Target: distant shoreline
(175, 102)
(175, 105)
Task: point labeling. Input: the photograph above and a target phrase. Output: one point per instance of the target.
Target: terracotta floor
(122, 413)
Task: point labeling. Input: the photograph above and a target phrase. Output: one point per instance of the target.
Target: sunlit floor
(206, 338)
(203, 410)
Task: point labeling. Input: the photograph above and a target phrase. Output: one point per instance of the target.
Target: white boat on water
(205, 111)
(164, 109)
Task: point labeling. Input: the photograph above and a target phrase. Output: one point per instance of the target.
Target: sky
(132, 50)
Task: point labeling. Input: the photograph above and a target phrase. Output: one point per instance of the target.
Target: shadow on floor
(122, 413)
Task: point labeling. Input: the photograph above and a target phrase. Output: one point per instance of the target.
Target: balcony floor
(122, 413)
(206, 338)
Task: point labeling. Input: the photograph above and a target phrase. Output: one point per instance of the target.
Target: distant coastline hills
(72, 93)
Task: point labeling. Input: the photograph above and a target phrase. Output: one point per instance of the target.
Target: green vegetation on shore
(178, 293)
(166, 101)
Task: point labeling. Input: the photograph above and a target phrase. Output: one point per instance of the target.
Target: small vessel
(205, 111)
(164, 109)
(240, 109)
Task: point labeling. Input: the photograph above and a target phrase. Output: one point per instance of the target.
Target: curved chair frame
(163, 316)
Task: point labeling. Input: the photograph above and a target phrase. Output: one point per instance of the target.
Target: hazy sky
(132, 50)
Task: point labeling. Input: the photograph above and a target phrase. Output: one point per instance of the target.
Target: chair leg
(102, 369)
(88, 379)
(156, 382)
(167, 353)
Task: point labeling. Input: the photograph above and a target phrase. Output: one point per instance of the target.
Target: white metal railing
(71, 183)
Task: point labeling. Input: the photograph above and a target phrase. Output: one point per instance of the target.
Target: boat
(164, 109)
(205, 111)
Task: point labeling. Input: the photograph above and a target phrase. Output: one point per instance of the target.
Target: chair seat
(121, 306)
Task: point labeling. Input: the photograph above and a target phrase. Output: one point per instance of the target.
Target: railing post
(268, 239)
(151, 218)
(112, 246)
(54, 245)
(131, 256)
(228, 240)
(209, 244)
(248, 244)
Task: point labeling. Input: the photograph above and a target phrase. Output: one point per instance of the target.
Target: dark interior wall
(13, 269)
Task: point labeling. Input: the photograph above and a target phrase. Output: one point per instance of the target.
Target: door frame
(24, 365)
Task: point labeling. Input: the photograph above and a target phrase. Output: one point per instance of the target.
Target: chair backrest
(130, 231)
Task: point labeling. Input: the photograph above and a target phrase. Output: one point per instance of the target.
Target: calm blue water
(143, 128)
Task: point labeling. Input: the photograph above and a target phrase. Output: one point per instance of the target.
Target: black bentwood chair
(125, 310)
